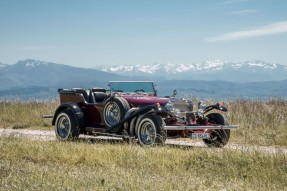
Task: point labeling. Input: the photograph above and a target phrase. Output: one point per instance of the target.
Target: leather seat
(95, 95)
(96, 89)
(85, 93)
(99, 96)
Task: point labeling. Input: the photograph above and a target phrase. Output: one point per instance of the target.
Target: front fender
(136, 113)
(76, 110)
(217, 118)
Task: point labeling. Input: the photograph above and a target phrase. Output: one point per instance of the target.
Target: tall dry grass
(33, 165)
(260, 122)
(19, 114)
(36, 165)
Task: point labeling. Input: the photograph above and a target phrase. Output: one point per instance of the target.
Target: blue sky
(116, 32)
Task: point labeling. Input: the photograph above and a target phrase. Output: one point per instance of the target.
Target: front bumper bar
(195, 127)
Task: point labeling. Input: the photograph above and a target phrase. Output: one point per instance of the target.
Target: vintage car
(133, 111)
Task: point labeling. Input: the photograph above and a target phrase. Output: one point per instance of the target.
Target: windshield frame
(137, 85)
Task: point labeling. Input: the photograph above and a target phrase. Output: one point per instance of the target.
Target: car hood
(139, 101)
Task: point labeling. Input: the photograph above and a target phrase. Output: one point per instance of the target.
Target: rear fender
(77, 112)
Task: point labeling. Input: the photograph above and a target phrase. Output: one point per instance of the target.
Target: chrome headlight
(200, 113)
(169, 106)
(201, 108)
(201, 105)
(176, 112)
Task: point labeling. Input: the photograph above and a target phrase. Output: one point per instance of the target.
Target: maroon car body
(132, 110)
(140, 101)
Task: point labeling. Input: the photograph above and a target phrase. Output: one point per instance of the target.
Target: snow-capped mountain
(250, 71)
(33, 63)
(40, 73)
(3, 66)
(39, 79)
(168, 68)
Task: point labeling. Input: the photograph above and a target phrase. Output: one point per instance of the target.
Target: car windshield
(130, 87)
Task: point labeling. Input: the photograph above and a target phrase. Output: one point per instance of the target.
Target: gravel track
(42, 135)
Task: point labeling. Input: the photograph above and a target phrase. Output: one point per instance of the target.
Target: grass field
(260, 122)
(21, 115)
(33, 165)
(83, 165)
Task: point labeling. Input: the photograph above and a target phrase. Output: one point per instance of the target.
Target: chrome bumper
(199, 127)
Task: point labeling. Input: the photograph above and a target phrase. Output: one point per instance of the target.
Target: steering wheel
(139, 90)
(118, 90)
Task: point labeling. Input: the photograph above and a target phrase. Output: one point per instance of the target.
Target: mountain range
(39, 73)
(37, 79)
(34, 79)
(239, 72)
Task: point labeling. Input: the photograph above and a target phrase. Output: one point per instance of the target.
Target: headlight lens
(176, 112)
(201, 105)
(200, 113)
(201, 108)
(169, 106)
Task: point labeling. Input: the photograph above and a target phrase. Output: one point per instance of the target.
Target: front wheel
(150, 130)
(66, 127)
(218, 137)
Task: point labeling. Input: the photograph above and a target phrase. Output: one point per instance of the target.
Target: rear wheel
(218, 137)
(114, 110)
(66, 127)
(150, 130)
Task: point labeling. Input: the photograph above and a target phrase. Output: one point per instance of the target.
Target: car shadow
(113, 140)
(98, 140)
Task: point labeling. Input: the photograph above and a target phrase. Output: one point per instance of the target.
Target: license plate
(200, 136)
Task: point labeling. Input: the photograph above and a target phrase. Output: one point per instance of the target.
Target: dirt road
(50, 136)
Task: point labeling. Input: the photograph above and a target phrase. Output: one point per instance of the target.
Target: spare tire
(115, 109)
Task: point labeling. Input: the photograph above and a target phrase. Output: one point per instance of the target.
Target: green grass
(33, 165)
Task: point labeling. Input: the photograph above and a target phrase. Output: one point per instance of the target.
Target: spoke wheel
(65, 126)
(112, 113)
(147, 132)
(150, 130)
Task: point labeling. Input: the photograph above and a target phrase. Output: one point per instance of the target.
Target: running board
(110, 135)
(199, 127)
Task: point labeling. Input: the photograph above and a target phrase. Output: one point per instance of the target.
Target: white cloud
(27, 48)
(271, 29)
(36, 47)
(233, 1)
(243, 12)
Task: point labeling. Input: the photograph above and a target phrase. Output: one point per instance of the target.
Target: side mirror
(174, 93)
